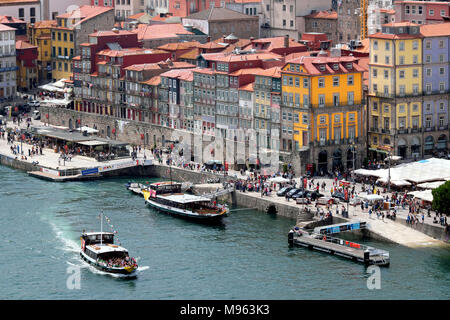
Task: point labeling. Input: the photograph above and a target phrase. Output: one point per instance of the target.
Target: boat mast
(101, 227)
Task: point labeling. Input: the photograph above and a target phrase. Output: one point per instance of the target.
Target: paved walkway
(50, 159)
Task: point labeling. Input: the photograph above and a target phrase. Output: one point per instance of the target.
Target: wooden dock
(347, 249)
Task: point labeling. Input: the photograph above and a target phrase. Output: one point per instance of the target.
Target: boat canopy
(184, 198)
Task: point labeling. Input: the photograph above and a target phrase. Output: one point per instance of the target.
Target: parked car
(301, 194)
(282, 192)
(340, 196)
(327, 200)
(34, 103)
(292, 192)
(313, 195)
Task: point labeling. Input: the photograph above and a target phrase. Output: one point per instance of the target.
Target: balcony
(374, 129)
(428, 129)
(443, 127)
(382, 95)
(415, 130)
(402, 131)
(9, 69)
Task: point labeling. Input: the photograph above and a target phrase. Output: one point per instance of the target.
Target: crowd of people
(118, 262)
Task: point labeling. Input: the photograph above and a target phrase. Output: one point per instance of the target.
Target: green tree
(441, 198)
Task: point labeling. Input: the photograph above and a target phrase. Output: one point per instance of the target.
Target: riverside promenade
(393, 231)
(387, 230)
(49, 166)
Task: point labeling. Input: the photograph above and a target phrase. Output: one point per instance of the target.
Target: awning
(278, 180)
(92, 143)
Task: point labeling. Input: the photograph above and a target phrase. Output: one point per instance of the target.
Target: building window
(335, 81)
(350, 80)
(321, 100)
(402, 46)
(321, 82)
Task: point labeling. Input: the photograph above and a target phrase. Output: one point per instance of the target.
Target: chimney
(286, 41)
(208, 39)
(251, 38)
(115, 30)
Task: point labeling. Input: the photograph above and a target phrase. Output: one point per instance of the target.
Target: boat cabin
(166, 187)
(189, 202)
(97, 237)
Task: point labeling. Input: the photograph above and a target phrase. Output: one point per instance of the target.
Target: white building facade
(8, 66)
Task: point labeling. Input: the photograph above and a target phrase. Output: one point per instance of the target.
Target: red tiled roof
(110, 33)
(323, 15)
(84, 13)
(182, 74)
(6, 28)
(435, 30)
(136, 16)
(191, 54)
(311, 64)
(253, 71)
(10, 19)
(247, 87)
(173, 46)
(159, 31)
(155, 81)
(389, 36)
(273, 43)
(22, 45)
(220, 56)
(211, 45)
(128, 52)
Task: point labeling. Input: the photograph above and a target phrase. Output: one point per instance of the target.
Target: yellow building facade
(325, 95)
(395, 89)
(317, 96)
(40, 36)
(62, 50)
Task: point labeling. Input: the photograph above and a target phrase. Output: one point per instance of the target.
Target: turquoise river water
(247, 257)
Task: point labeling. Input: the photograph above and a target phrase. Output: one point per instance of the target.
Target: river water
(247, 257)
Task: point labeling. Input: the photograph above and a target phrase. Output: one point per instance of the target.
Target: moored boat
(167, 197)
